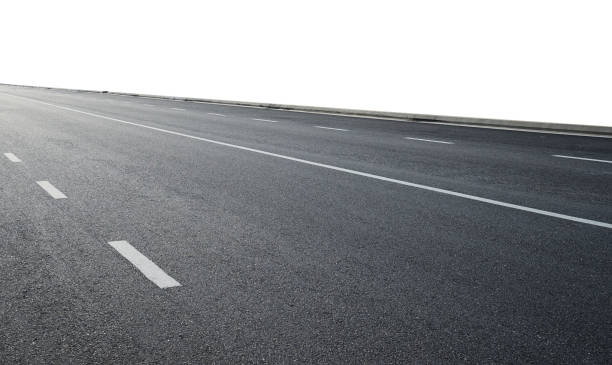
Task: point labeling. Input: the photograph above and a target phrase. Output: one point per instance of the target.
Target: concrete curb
(406, 117)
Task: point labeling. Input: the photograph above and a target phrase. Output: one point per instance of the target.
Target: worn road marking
(177, 108)
(12, 157)
(334, 129)
(341, 169)
(429, 140)
(221, 115)
(147, 267)
(583, 158)
(51, 190)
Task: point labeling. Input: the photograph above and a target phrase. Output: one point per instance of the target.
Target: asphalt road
(139, 230)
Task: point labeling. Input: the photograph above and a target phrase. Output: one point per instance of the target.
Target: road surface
(141, 230)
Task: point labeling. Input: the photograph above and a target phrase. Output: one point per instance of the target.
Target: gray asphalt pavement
(295, 237)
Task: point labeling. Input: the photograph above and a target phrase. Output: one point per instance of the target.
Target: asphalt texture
(282, 261)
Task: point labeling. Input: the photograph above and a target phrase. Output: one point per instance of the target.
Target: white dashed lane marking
(51, 190)
(147, 267)
(429, 140)
(333, 129)
(12, 157)
(583, 158)
(266, 120)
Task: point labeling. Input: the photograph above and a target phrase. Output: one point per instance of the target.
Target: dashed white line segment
(266, 120)
(177, 108)
(51, 190)
(12, 157)
(333, 129)
(515, 129)
(340, 169)
(217, 114)
(429, 140)
(583, 158)
(147, 267)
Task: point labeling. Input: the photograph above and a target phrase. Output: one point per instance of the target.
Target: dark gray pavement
(282, 261)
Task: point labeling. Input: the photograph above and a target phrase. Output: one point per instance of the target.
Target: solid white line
(12, 157)
(51, 190)
(266, 120)
(334, 129)
(583, 158)
(146, 266)
(429, 140)
(221, 115)
(177, 108)
(341, 169)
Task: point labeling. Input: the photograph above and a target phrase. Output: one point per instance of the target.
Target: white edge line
(147, 267)
(12, 157)
(334, 129)
(51, 190)
(583, 158)
(341, 169)
(429, 140)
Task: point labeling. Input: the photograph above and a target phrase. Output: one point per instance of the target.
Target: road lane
(511, 174)
(54, 192)
(62, 300)
(293, 262)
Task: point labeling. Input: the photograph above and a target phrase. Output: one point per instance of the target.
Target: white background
(527, 60)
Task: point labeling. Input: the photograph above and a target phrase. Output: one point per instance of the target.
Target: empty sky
(527, 60)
